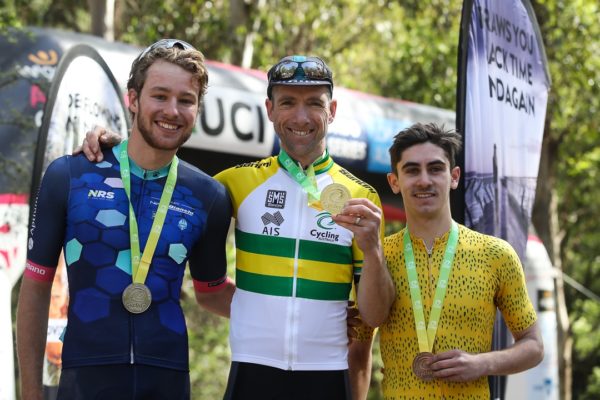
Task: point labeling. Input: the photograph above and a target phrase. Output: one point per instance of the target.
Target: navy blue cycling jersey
(82, 208)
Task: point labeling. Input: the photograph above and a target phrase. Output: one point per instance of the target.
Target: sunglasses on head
(313, 68)
(166, 44)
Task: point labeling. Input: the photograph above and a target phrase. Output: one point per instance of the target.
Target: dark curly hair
(449, 140)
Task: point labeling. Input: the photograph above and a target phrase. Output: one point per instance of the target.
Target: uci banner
(502, 93)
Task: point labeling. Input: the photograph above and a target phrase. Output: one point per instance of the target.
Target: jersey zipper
(136, 209)
(292, 308)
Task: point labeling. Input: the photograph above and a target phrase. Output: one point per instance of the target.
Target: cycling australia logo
(272, 219)
(326, 225)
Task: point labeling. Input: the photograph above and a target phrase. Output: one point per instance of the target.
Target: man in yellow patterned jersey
(436, 343)
(306, 230)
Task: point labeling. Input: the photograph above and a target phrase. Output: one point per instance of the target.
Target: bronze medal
(333, 197)
(421, 368)
(137, 298)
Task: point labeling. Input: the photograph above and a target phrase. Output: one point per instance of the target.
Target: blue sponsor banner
(380, 133)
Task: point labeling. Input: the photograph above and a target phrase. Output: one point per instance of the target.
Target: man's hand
(458, 366)
(95, 140)
(352, 321)
(363, 218)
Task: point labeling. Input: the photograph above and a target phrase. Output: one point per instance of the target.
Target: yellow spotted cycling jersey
(294, 267)
(486, 275)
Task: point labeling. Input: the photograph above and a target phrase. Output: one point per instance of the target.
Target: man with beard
(128, 226)
(288, 314)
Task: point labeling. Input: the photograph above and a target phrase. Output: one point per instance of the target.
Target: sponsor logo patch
(275, 198)
(269, 218)
(100, 194)
(182, 224)
(275, 219)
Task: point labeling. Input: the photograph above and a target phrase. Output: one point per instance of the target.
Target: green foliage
(408, 50)
(572, 37)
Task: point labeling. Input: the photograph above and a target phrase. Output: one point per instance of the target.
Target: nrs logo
(100, 194)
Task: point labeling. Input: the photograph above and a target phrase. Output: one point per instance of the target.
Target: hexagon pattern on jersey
(110, 218)
(91, 304)
(177, 252)
(99, 226)
(72, 251)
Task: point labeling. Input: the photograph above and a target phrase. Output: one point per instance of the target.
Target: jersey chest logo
(275, 199)
(274, 219)
(100, 195)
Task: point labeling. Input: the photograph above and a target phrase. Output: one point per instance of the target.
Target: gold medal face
(421, 368)
(137, 298)
(333, 197)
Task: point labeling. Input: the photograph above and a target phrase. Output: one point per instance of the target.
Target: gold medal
(333, 197)
(137, 298)
(421, 366)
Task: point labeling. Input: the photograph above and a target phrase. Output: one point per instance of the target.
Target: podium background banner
(502, 93)
(502, 97)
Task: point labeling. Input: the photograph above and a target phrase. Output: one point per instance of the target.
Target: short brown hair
(449, 140)
(189, 59)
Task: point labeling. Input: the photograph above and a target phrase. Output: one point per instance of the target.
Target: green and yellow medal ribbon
(306, 179)
(426, 334)
(140, 267)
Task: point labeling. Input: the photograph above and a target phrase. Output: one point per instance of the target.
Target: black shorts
(253, 381)
(123, 382)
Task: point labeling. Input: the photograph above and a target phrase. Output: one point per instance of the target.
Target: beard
(155, 141)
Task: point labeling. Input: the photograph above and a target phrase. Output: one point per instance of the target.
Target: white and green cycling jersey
(294, 267)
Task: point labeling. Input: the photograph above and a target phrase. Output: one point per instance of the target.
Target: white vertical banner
(507, 85)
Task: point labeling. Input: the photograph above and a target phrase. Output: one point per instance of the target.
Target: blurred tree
(404, 49)
(102, 13)
(565, 207)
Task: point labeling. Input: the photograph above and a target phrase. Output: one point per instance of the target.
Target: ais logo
(275, 219)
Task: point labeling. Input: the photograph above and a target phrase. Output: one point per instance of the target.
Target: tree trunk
(244, 13)
(102, 14)
(545, 220)
(238, 16)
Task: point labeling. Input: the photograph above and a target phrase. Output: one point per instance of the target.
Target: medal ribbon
(306, 180)
(140, 267)
(426, 336)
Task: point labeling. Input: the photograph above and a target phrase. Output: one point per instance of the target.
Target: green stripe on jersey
(264, 244)
(285, 247)
(316, 290)
(265, 284)
(280, 286)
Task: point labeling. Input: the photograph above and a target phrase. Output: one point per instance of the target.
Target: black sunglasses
(166, 44)
(314, 68)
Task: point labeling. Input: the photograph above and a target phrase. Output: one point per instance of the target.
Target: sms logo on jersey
(275, 199)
